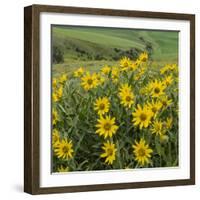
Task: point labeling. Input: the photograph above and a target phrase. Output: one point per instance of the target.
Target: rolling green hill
(92, 45)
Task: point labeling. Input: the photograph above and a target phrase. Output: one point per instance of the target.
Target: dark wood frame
(32, 106)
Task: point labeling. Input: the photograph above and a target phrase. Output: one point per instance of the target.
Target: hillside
(90, 45)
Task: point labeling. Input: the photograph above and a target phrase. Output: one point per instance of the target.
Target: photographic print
(109, 99)
(114, 98)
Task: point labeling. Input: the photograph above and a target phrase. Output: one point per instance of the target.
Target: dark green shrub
(58, 54)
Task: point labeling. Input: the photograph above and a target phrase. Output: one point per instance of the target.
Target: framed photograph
(109, 99)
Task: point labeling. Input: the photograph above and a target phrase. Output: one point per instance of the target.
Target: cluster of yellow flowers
(145, 101)
(58, 87)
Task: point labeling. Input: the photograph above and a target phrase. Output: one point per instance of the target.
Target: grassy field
(93, 47)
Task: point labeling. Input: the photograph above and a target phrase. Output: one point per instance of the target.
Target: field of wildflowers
(119, 117)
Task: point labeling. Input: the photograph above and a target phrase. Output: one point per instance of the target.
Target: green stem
(160, 160)
(118, 155)
(169, 151)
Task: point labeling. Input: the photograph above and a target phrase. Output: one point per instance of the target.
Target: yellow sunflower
(54, 117)
(57, 93)
(89, 81)
(165, 101)
(101, 105)
(115, 74)
(140, 73)
(55, 137)
(109, 152)
(174, 67)
(125, 63)
(143, 57)
(127, 99)
(145, 90)
(124, 88)
(63, 78)
(54, 82)
(157, 88)
(133, 66)
(138, 62)
(100, 79)
(165, 69)
(64, 149)
(62, 168)
(157, 128)
(168, 123)
(60, 91)
(106, 70)
(106, 126)
(142, 116)
(168, 80)
(142, 152)
(79, 72)
(55, 97)
(154, 106)
(169, 68)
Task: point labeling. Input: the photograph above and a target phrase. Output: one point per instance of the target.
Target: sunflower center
(157, 90)
(158, 128)
(65, 149)
(107, 126)
(125, 64)
(164, 103)
(144, 59)
(89, 81)
(128, 98)
(109, 152)
(154, 109)
(141, 152)
(143, 117)
(102, 106)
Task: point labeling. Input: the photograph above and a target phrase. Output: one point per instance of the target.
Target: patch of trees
(148, 46)
(87, 55)
(58, 54)
(132, 53)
